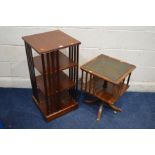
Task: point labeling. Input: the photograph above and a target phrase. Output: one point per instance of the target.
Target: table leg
(91, 101)
(115, 108)
(100, 112)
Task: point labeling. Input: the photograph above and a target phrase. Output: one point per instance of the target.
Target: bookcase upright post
(31, 70)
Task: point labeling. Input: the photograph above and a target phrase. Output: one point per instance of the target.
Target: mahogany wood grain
(65, 83)
(66, 105)
(52, 87)
(50, 41)
(64, 63)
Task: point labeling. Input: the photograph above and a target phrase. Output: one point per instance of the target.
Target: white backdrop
(132, 44)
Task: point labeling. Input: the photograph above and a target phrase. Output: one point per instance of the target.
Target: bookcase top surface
(108, 68)
(50, 41)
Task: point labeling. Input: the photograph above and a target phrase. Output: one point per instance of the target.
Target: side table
(107, 79)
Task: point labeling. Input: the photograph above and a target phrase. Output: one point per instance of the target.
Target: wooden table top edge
(105, 78)
(108, 57)
(50, 50)
(53, 50)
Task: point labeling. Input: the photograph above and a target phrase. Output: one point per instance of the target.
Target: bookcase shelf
(109, 97)
(53, 89)
(65, 63)
(64, 84)
(108, 94)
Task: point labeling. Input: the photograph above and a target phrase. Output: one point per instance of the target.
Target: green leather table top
(108, 68)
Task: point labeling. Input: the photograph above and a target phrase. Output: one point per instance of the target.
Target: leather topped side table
(107, 79)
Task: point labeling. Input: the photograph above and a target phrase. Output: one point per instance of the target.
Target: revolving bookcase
(53, 71)
(107, 79)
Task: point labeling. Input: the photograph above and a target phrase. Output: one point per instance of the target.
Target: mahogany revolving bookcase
(107, 79)
(53, 71)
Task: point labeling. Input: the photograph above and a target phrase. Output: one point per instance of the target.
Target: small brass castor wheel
(115, 112)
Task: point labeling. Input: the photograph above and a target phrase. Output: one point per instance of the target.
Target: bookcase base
(72, 105)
